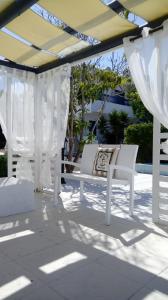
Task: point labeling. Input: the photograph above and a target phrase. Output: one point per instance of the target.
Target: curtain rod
(150, 32)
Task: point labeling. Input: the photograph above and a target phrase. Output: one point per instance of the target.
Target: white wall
(94, 108)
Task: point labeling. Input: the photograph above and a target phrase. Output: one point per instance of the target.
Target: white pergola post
(160, 176)
(37, 133)
(57, 179)
(9, 125)
(156, 170)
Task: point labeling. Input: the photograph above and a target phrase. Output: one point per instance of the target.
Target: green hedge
(141, 134)
(3, 166)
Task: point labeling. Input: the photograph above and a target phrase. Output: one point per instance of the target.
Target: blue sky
(118, 53)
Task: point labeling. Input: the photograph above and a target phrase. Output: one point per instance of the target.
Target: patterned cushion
(103, 158)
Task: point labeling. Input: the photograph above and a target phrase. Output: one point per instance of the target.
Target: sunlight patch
(156, 295)
(62, 262)
(15, 235)
(13, 287)
(6, 226)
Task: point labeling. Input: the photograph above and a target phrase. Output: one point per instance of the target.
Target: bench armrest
(67, 162)
(122, 168)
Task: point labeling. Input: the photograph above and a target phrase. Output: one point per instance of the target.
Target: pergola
(38, 36)
(50, 45)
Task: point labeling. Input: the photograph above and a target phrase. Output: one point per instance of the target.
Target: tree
(139, 110)
(88, 82)
(118, 120)
(120, 66)
(113, 128)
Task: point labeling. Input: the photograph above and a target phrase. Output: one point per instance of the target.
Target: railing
(160, 182)
(16, 159)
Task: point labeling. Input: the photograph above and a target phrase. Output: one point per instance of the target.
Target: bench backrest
(126, 157)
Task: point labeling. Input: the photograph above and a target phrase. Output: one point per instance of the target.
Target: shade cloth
(148, 63)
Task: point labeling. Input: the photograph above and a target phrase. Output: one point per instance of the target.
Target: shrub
(3, 166)
(141, 134)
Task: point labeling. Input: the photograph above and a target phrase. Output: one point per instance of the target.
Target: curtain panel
(52, 107)
(17, 109)
(148, 63)
(33, 117)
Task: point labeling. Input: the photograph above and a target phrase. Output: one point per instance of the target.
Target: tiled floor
(67, 252)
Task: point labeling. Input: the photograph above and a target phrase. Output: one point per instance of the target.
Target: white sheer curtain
(148, 62)
(17, 115)
(33, 116)
(51, 117)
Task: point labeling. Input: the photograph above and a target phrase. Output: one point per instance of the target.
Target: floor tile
(95, 282)
(71, 253)
(147, 294)
(55, 255)
(160, 282)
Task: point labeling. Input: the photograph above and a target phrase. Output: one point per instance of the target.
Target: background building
(111, 100)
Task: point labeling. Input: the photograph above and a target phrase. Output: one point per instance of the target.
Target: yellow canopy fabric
(12, 48)
(4, 4)
(38, 59)
(39, 32)
(148, 9)
(92, 18)
(15, 50)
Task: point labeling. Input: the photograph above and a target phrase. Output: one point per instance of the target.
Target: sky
(105, 61)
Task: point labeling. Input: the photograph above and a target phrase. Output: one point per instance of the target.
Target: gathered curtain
(148, 63)
(33, 117)
(17, 117)
(51, 119)
(17, 109)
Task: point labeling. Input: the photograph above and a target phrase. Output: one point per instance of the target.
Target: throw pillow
(103, 158)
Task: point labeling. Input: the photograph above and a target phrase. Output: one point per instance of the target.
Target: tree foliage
(139, 110)
(120, 65)
(113, 128)
(88, 82)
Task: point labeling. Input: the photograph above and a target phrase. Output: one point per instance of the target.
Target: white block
(16, 196)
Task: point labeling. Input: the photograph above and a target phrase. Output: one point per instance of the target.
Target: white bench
(16, 196)
(123, 174)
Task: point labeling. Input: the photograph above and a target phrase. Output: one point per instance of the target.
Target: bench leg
(81, 189)
(131, 203)
(108, 204)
